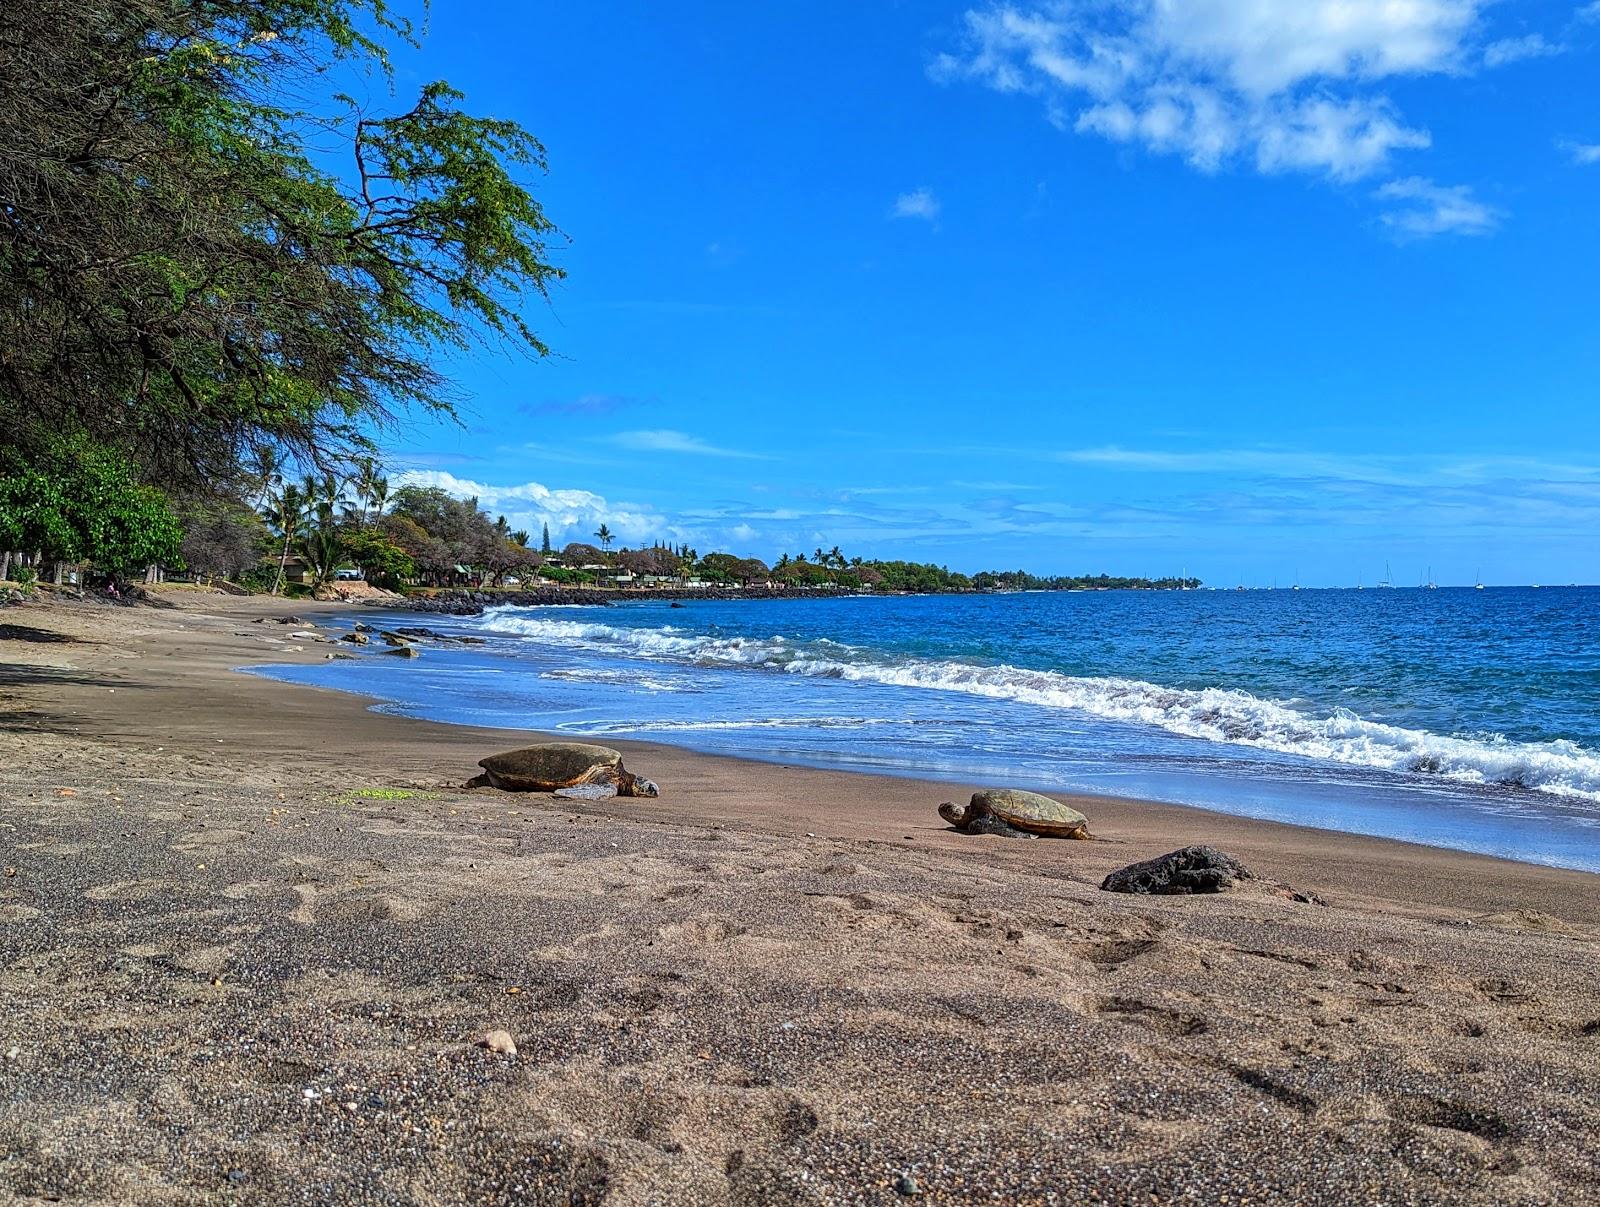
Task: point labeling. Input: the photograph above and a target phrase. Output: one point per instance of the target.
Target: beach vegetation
(218, 274)
(73, 501)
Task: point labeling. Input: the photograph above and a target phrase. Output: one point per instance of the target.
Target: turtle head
(956, 815)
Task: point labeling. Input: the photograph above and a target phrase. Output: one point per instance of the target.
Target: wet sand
(249, 932)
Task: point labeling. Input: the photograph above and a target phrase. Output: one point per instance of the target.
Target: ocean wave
(634, 727)
(620, 678)
(1222, 715)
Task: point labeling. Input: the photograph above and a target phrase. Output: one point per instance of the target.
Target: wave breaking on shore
(1221, 715)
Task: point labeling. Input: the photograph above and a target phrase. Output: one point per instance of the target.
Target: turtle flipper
(990, 824)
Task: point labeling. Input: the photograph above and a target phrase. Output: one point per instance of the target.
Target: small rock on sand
(499, 1041)
(1197, 869)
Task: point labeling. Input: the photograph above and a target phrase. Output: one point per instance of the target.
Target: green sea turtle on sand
(580, 769)
(1013, 813)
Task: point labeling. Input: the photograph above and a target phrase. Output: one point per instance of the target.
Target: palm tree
(320, 545)
(821, 558)
(604, 536)
(266, 468)
(519, 538)
(837, 558)
(285, 516)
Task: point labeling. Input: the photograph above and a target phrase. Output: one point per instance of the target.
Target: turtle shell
(551, 765)
(1031, 812)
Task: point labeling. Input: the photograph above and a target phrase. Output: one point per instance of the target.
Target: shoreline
(1384, 805)
(1138, 822)
(276, 914)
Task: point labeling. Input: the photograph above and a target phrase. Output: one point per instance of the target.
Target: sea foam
(1215, 714)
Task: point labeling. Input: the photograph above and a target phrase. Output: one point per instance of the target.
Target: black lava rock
(1190, 870)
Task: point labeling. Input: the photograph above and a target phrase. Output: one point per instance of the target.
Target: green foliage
(78, 502)
(566, 575)
(188, 272)
(382, 561)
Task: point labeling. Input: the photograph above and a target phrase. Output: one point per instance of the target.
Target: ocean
(1453, 717)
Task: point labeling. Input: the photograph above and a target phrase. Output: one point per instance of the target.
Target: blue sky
(1252, 287)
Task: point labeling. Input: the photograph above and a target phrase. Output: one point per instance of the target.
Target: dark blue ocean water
(1455, 717)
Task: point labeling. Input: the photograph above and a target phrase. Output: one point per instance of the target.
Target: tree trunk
(283, 561)
(5, 564)
(60, 573)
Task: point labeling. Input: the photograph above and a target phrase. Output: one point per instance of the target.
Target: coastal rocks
(1014, 813)
(394, 639)
(549, 766)
(403, 651)
(471, 603)
(1197, 869)
(420, 633)
(355, 638)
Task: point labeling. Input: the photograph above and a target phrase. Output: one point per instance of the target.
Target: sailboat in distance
(1386, 582)
(1477, 581)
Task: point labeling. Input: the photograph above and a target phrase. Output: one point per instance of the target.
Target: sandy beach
(250, 933)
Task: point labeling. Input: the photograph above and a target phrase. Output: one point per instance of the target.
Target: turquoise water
(1454, 717)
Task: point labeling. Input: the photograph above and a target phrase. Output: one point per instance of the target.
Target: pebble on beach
(499, 1041)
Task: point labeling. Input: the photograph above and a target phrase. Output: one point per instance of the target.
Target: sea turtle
(1013, 813)
(550, 766)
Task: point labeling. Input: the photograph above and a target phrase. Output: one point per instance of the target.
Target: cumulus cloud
(1421, 209)
(664, 440)
(571, 514)
(921, 203)
(1286, 85)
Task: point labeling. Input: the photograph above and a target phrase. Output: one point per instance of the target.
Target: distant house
(295, 570)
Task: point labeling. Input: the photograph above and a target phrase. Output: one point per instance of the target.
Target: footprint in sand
(1161, 1019)
(1108, 953)
(132, 890)
(701, 930)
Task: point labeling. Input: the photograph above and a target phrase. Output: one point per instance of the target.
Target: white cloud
(1423, 209)
(1514, 50)
(1589, 12)
(667, 441)
(919, 204)
(572, 514)
(1582, 153)
(1289, 85)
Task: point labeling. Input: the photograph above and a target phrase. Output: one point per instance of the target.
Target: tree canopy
(187, 274)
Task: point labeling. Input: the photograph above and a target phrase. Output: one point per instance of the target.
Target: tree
(382, 561)
(285, 513)
(519, 538)
(221, 538)
(76, 501)
(371, 489)
(186, 270)
(544, 544)
(604, 536)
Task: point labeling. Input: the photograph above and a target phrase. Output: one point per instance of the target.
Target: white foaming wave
(647, 683)
(608, 727)
(1211, 714)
